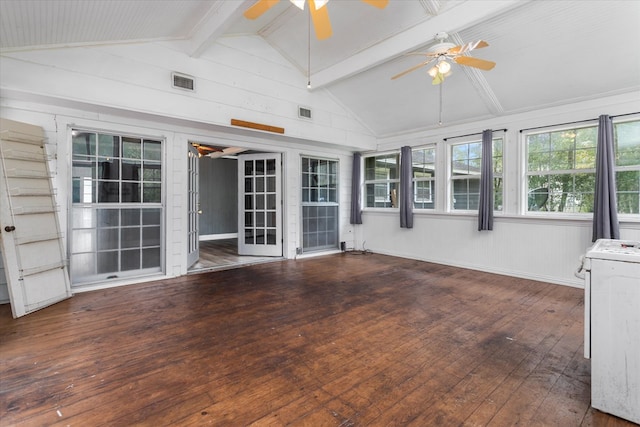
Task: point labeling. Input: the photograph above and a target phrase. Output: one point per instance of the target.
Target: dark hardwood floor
(222, 254)
(340, 340)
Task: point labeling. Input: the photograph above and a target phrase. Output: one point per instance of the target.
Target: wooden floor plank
(347, 340)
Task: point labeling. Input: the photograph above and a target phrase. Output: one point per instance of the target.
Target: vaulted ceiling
(548, 53)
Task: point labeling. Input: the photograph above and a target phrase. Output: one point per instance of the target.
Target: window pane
(84, 241)
(131, 148)
(627, 136)
(248, 167)
(151, 236)
(107, 262)
(248, 219)
(466, 193)
(628, 185)
(152, 193)
(152, 150)
(538, 143)
(130, 237)
(563, 141)
(271, 167)
(130, 192)
(83, 265)
(83, 143)
(151, 216)
(109, 145)
(130, 260)
(152, 172)
(108, 192)
(130, 217)
(151, 257)
(586, 137)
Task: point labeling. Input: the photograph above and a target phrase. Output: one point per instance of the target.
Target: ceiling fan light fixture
(443, 66)
(433, 71)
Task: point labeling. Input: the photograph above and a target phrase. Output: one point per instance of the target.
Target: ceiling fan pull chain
(440, 115)
(309, 50)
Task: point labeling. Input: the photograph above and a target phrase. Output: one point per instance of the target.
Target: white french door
(260, 204)
(34, 259)
(193, 234)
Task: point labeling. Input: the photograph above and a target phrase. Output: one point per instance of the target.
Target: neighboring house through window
(466, 160)
(382, 180)
(424, 180)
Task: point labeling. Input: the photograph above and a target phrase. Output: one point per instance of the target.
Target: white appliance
(612, 326)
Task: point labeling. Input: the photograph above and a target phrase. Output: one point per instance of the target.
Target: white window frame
(89, 204)
(431, 180)
(451, 178)
(388, 182)
(306, 202)
(573, 172)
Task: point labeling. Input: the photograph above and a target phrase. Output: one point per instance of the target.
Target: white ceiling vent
(304, 112)
(182, 81)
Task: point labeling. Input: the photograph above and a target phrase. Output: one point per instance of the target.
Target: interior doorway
(220, 210)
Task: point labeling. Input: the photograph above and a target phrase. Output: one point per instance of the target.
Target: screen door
(260, 204)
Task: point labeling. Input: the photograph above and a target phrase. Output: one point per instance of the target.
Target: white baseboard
(204, 237)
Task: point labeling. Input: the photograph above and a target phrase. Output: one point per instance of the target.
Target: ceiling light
(320, 3)
(433, 71)
(444, 66)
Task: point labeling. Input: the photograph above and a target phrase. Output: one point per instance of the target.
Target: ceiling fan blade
(260, 7)
(380, 4)
(321, 21)
(467, 47)
(415, 67)
(475, 62)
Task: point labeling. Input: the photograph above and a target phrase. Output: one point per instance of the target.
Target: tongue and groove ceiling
(548, 53)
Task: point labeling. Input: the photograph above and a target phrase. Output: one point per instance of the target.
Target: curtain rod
(472, 134)
(576, 122)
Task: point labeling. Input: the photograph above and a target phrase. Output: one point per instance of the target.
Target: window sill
(529, 217)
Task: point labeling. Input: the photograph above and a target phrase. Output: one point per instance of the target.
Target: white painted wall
(538, 247)
(57, 122)
(238, 77)
(126, 88)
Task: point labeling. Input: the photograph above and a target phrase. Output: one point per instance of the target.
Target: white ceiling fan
(443, 52)
(317, 8)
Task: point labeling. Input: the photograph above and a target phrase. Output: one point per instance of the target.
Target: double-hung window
(465, 167)
(424, 179)
(382, 180)
(116, 216)
(319, 204)
(561, 168)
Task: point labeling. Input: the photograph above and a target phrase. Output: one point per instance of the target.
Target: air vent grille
(183, 81)
(304, 113)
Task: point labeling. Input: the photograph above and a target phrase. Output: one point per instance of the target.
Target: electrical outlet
(298, 251)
